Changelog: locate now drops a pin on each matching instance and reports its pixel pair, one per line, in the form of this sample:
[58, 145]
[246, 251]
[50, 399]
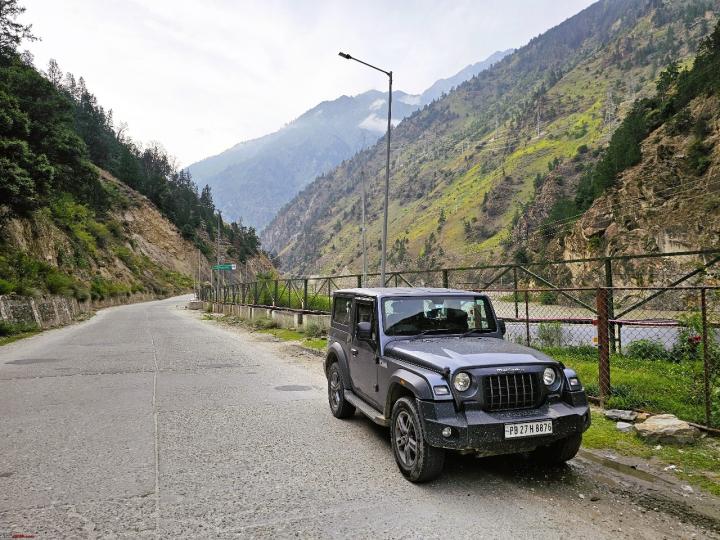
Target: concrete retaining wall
[51, 311]
[45, 312]
[283, 318]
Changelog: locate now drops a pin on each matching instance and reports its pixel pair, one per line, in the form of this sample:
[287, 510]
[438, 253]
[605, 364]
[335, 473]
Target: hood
[456, 353]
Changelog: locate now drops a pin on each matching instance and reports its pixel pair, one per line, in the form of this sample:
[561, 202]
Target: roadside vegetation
[311, 336]
[698, 464]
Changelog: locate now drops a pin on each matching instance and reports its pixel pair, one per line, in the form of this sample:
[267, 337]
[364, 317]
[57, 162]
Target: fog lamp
[447, 431]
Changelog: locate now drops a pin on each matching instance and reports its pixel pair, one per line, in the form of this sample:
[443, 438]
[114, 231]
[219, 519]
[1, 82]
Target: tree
[11, 31]
[54, 73]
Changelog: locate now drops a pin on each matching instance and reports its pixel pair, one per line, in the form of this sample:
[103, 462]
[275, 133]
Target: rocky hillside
[254, 179]
[513, 141]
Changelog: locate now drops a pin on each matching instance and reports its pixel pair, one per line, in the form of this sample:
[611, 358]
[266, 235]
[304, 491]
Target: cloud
[243, 69]
[375, 105]
[410, 100]
[374, 123]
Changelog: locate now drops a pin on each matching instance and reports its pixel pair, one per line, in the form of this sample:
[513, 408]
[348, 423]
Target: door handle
[354, 352]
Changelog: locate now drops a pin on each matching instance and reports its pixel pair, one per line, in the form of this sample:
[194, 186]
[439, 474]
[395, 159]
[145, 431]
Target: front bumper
[484, 432]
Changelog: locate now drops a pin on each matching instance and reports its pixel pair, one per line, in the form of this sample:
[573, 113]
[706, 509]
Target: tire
[558, 452]
[416, 459]
[336, 394]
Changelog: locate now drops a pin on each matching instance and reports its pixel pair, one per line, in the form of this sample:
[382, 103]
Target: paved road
[148, 422]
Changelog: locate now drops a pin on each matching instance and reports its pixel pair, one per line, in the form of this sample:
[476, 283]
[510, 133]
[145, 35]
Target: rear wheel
[558, 452]
[336, 394]
[417, 460]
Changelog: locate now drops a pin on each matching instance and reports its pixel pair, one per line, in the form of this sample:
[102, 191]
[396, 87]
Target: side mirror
[501, 326]
[364, 330]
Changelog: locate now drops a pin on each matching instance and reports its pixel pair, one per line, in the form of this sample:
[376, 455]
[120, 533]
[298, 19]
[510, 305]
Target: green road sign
[227, 266]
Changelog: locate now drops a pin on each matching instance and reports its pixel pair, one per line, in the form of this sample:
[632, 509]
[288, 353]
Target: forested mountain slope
[466, 168]
[254, 179]
[664, 192]
[84, 210]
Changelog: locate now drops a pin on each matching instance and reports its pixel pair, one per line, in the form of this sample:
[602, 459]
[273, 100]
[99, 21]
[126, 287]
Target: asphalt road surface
[146, 421]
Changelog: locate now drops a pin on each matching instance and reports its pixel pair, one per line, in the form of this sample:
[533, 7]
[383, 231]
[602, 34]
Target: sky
[201, 76]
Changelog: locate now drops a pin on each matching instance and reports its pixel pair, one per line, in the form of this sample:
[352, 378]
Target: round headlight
[549, 376]
[461, 381]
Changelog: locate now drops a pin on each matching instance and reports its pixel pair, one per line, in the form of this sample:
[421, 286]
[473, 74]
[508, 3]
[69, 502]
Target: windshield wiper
[430, 331]
[475, 331]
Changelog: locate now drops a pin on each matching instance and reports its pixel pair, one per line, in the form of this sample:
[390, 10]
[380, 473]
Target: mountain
[665, 194]
[253, 179]
[516, 139]
[443, 86]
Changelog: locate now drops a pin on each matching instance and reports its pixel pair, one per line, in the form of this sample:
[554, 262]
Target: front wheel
[560, 451]
[336, 394]
[417, 460]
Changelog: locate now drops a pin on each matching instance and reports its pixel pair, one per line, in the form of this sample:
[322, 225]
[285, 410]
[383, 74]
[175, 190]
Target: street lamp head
[346, 56]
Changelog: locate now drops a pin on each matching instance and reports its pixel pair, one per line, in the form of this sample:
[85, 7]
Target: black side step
[373, 414]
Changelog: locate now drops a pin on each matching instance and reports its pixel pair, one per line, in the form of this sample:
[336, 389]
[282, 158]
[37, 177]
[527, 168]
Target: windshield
[437, 315]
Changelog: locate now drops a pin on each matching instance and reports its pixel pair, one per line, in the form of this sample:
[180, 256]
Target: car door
[363, 352]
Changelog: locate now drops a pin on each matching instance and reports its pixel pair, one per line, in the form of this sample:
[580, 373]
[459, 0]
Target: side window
[364, 313]
[341, 310]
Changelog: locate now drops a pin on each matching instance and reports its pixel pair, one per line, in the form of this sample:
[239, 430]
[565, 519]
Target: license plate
[528, 429]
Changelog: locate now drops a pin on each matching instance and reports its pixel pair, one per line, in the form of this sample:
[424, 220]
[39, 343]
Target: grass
[268, 326]
[652, 385]
[5, 340]
[697, 464]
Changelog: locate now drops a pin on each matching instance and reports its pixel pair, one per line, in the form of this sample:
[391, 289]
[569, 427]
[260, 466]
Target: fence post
[305, 294]
[603, 345]
[275, 294]
[706, 356]
[255, 296]
[527, 319]
[445, 279]
[359, 281]
[515, 289]
[610, 301]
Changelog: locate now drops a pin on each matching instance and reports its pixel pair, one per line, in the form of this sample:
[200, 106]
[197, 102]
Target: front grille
[511, 391]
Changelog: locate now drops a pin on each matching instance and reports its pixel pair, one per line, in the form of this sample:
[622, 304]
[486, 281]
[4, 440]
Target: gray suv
[432, 365]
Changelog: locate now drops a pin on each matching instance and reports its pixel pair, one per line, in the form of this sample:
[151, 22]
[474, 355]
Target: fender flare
[336, 353]
[409, 381]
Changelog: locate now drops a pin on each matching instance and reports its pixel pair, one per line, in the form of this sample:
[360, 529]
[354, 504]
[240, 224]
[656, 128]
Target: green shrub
[647, 349]
[58, 283]
[12, 329]
[6, 287]
[82, 294]
[264, 323]
[550, 334]
[548, 298]
[314, 330]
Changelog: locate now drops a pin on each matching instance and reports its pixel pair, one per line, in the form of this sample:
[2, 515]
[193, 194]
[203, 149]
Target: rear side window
[341, 310]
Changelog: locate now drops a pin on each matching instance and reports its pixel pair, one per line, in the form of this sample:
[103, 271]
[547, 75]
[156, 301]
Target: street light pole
[364, 248]
[387, 163]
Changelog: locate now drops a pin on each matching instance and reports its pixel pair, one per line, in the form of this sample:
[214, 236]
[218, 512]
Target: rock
[642, 416]
[667, 428]
[620, 415]
[625, 427]
[688, 489]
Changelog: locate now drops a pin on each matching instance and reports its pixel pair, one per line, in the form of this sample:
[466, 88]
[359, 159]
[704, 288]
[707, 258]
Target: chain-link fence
[654, 348]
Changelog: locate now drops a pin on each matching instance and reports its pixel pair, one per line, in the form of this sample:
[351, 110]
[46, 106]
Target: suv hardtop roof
[382, 292]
